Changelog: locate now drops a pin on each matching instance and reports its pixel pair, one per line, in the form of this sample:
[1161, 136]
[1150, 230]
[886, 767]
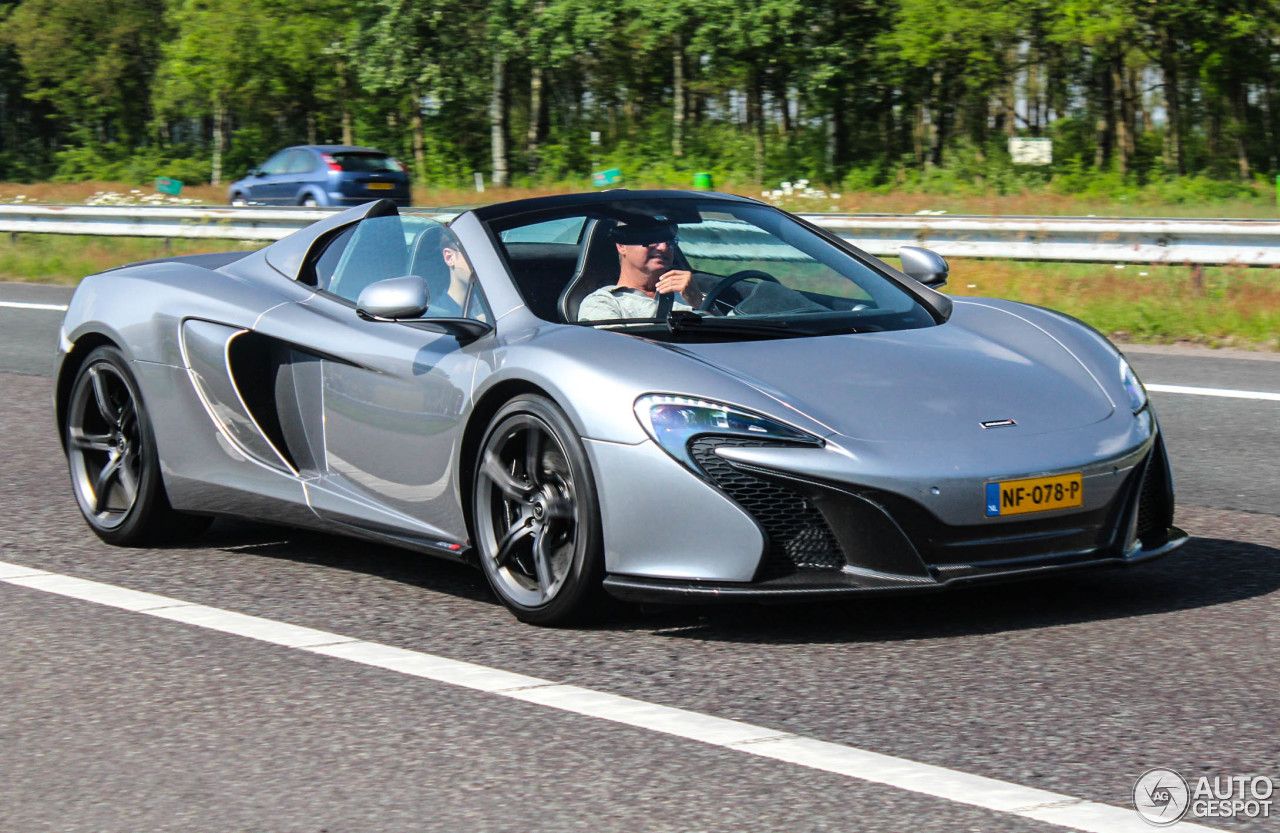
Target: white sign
[1031, 151]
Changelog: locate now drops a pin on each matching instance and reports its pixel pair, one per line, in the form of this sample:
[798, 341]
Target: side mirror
[926, 266]
[394, 299]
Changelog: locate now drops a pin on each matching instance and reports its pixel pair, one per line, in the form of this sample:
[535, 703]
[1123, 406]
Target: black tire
[112, 458]
[536, 515]
[309, 201]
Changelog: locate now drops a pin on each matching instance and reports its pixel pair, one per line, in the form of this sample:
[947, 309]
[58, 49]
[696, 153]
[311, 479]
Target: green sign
[702, 181]
[610, 177]
[165, 185]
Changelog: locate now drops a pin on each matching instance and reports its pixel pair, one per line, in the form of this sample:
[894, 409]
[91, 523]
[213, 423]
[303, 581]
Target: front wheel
[111, 453]
[537, 520]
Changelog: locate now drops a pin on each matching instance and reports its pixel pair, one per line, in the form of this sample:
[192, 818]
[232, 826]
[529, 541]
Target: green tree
[92, 62]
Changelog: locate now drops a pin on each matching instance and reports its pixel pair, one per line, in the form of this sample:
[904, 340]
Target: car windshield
[749, 271]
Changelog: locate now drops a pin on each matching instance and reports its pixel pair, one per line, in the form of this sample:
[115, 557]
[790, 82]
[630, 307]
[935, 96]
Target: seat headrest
[597, 266]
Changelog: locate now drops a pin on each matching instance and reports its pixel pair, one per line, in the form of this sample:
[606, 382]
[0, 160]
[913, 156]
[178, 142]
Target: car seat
[597, 266]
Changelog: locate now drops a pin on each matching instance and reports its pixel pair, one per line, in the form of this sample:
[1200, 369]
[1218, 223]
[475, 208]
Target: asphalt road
[115, 721]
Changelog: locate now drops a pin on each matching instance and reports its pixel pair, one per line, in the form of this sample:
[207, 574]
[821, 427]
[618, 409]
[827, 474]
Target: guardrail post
[168, 246]
[1197, 278]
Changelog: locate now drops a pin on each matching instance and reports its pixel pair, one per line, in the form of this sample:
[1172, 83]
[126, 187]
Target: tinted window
[365, 162]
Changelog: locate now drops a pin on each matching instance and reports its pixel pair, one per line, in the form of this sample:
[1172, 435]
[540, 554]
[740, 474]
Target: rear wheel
[537, 521]
[309, 201]
[111, 453]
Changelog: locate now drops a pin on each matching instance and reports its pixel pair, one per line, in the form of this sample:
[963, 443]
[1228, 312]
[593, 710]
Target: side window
[300, 162]
[439, 259]
[277, 163]
[390, 247]
[326, 264]
[477, 307]
[376, 251]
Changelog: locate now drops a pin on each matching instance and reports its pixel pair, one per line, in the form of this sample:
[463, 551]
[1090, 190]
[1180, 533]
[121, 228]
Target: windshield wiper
[680, 319]
[621, 322]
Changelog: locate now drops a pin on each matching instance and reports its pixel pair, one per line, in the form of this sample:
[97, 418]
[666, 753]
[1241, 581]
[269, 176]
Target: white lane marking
[1223, 392]
[851, 762]
[25, 305]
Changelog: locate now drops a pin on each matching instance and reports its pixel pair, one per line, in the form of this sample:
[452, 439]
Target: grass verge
[65, 259]
[1226, 307]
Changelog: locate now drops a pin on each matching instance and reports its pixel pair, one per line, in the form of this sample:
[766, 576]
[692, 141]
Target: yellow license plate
[380, 186]
[1035, 494]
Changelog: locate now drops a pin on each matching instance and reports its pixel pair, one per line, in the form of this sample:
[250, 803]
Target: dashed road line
[763, 742]
[28, 305]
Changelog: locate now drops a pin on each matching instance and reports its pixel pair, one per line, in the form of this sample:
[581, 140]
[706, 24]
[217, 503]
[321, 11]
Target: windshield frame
[817, 244]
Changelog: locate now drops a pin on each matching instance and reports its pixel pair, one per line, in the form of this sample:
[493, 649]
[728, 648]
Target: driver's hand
[680, 280]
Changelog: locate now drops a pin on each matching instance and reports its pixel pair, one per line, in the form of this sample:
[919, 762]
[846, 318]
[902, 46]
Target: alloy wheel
[104, 445]
[528, 510]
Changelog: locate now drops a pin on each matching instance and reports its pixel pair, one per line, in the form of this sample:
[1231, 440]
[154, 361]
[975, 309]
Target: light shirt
[613, 302]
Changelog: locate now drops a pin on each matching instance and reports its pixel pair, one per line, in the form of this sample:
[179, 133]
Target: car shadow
[342, 553]
[1203, 573]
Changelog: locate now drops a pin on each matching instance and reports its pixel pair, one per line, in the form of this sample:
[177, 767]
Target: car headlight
[1137, 393]
[673, 421]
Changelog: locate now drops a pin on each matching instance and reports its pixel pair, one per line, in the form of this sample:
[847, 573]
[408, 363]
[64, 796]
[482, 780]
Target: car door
[381, 402]
[299, 172]
[269, 187]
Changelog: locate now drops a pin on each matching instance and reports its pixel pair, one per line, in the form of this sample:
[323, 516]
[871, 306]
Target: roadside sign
[610, 177]
[1031, 151]
[165, 185]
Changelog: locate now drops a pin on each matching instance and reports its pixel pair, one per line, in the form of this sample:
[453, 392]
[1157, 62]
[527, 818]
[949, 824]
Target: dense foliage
[860, 92]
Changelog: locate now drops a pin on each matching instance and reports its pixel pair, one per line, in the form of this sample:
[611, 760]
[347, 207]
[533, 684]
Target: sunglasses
[670, 241]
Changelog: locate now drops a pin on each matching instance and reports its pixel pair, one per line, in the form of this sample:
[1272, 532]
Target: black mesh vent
[1154, 512]
[798, 537]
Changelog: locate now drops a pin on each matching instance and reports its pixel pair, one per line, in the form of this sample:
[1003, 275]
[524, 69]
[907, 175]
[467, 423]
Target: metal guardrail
[1096, 240]
[158, 221]
[1084, 239]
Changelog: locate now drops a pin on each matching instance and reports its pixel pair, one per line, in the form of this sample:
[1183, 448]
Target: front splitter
[804, 588]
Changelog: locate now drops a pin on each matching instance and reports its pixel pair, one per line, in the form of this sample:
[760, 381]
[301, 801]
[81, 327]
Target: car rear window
[365, 162]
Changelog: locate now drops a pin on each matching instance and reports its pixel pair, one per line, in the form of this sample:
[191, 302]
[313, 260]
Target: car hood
[931, 384]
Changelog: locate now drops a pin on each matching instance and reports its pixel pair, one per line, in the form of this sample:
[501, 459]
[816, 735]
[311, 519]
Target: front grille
[797, 536]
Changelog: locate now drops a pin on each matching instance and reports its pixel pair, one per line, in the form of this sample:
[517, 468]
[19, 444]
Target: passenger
[646, 254]
[460, 277]
[447, 272]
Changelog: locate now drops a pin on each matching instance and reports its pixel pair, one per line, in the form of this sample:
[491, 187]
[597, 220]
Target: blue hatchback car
[338, 175]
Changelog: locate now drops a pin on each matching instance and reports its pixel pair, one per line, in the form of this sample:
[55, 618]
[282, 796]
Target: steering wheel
[716, 291]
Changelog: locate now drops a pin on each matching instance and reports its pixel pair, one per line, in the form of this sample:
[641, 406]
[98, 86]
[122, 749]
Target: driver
[646, 253]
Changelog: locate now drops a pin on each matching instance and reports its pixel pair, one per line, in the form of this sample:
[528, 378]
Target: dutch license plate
[379, 186]
[1035, 494]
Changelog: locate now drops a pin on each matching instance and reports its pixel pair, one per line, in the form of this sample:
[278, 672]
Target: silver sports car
[645, 395]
